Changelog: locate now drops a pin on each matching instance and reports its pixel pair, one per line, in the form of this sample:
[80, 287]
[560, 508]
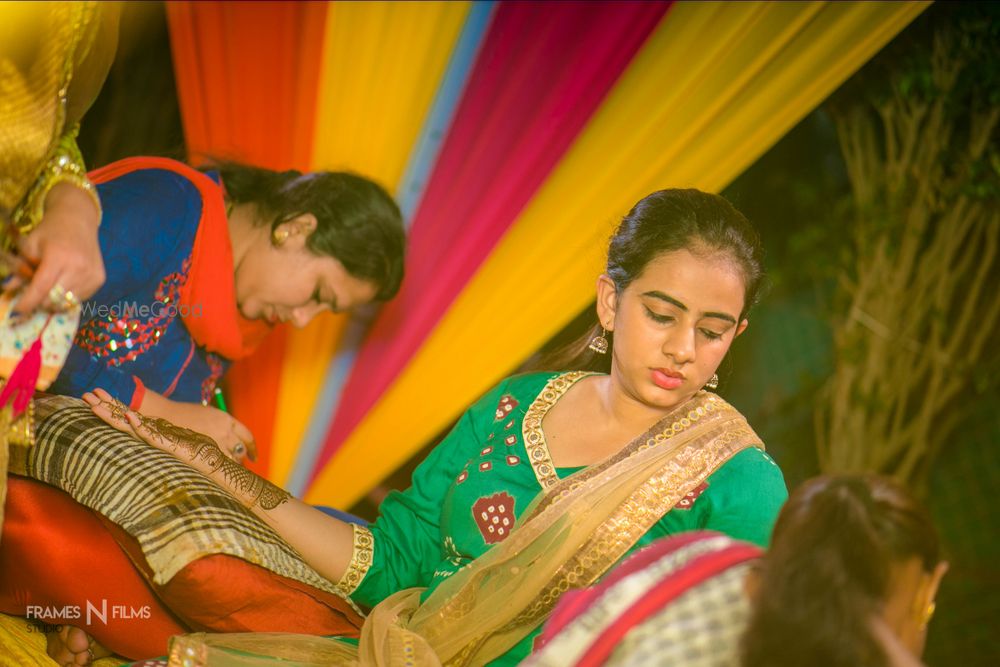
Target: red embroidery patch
[509, 424]
[461, 478]
[687, 501]
[513, 460]
[494, 515]
[122, 337]
[486, 450]
[510, 440]
[506, 404]
[483, 467]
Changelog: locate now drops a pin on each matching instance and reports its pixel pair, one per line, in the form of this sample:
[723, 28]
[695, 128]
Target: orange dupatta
[210, 283]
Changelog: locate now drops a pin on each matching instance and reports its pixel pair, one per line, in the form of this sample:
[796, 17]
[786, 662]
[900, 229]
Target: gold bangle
[65, 164]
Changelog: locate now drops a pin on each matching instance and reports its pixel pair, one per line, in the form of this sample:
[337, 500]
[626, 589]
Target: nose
[303, 315]
[679, 343]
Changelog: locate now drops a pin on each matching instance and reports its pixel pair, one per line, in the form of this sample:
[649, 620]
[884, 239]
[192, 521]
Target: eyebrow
[657, 294]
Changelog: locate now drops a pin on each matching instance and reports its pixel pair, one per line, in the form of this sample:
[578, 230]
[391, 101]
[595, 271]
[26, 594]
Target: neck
[624, 410]
[243, 233]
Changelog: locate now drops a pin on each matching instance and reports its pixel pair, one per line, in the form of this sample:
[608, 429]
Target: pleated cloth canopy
[515, 135]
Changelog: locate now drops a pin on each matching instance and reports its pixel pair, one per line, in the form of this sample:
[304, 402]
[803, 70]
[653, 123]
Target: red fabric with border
[55, 552]
[663, 593]
[576, 602]
[223, 593]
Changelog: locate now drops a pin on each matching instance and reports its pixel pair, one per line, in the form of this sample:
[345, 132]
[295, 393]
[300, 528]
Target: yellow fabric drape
[382, 65]
[714, 87]
[24, 645]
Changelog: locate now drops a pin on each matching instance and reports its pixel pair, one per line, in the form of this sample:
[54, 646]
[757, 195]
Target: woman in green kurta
[550, 479]
[467, 494]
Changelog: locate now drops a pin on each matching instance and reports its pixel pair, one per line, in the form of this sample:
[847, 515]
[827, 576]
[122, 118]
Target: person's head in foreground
[850, 578]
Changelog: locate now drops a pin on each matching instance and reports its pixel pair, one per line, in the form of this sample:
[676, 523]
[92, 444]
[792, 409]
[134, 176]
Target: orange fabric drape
[247, 77]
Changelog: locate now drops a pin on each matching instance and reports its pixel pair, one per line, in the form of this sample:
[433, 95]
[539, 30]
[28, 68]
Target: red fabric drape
[247, 77]
[542, 71]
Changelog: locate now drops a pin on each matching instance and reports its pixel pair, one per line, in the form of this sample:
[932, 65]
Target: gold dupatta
[570, 535]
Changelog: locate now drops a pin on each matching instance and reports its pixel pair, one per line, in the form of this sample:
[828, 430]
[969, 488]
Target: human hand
[233, 438]
[194, 448]
[63, 251]
[155, 431]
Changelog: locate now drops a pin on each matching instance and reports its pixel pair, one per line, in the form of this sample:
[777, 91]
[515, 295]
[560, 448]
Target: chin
[658, 398]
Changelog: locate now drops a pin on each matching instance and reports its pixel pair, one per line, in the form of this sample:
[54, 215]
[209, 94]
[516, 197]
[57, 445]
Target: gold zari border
[361, 560]
[531, 428]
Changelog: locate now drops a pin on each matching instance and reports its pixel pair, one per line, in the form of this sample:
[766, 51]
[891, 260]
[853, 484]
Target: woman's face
[286, 282]
[672, 325]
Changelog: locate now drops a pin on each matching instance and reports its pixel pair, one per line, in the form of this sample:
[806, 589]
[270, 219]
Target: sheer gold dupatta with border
[569, 536]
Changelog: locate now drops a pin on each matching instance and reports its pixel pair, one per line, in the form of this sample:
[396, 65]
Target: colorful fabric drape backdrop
[515, 134]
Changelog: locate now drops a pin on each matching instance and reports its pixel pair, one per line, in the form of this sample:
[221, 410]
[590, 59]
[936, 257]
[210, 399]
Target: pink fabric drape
[542, 72]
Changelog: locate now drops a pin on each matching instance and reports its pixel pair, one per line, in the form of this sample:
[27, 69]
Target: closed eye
[656, 317]
[711, 335]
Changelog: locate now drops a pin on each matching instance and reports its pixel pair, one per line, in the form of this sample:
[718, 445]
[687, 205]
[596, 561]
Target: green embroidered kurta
[470, 490]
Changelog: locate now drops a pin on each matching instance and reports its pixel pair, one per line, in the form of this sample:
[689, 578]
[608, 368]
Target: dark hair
[665, 221]
[358, 223]
[828, 569]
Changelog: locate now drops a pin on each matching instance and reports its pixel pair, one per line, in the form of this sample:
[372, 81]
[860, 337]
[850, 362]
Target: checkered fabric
[176, 514]
[701, 628]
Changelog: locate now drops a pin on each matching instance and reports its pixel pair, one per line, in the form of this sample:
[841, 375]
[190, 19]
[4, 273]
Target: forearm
[325, 543]
[77, 201]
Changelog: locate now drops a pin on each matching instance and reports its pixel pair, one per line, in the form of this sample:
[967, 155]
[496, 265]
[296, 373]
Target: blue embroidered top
[131, 332]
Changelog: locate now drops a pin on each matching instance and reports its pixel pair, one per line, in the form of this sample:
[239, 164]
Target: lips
[667, 379]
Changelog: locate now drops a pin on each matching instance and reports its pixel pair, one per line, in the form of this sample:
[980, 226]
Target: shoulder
[751, 475]
[150, 203]
[529, 384]
[752, 463]
[744, 496]
[154, 187]
[149, 175]
[511, 393]
[509, 398]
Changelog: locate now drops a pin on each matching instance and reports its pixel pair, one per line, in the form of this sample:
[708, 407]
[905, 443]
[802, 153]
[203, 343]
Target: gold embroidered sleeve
[361, 560]
[64, 164]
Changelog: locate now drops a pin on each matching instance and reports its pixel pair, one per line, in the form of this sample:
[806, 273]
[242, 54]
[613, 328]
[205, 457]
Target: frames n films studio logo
[89, 614]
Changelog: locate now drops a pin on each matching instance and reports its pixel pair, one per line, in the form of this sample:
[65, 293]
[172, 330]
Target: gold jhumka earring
[713, 382]
[599, 344]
